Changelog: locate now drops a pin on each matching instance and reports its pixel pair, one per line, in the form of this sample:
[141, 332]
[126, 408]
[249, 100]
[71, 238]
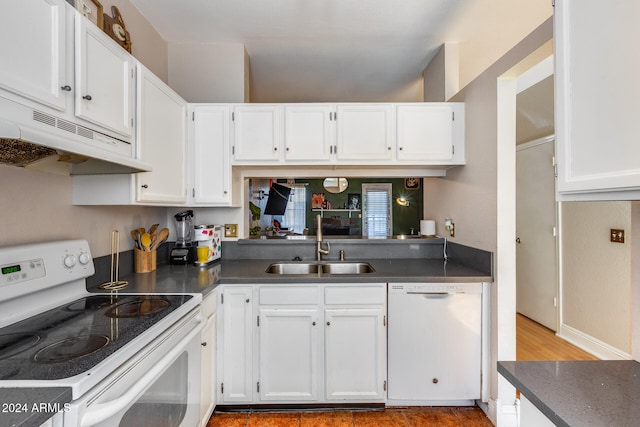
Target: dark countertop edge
[356, 240]
[503, 369]
[55, 397]
[347, 279]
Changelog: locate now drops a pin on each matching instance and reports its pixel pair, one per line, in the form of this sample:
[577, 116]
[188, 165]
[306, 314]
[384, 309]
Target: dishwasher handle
[433, 295]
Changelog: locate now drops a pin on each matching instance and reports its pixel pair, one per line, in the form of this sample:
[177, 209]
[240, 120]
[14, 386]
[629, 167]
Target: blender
[184, 252]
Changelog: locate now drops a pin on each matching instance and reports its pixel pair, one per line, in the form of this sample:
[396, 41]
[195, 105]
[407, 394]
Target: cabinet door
[34, 50]
[257, 133]
[207, 376]
[364, 132]
[425, 133]
[162, 141]
[104, 80]
[597, 102]
[355, 354]
[211, 161]
[288, 354]
[309, 133]
[235, 345]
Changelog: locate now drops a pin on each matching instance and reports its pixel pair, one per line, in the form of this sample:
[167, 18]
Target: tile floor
[396, 417]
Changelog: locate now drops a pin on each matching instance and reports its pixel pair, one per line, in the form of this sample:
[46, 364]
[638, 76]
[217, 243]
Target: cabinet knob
[66, 88]
[389, 148]
[87, 97]
[144, 186]
[400, 148]
[247, 300]
[328, 323]
[435, 380]
[204, 344]
[313, 324]
[275, 148]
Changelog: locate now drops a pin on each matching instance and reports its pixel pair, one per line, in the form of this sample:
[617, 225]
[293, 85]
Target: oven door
[158, 387]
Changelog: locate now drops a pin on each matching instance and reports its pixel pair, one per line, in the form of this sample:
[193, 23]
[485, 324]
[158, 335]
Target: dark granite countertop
[580, 393]
[192, 279]
[31, 406]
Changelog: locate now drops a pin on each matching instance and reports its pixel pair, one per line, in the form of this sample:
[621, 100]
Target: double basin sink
[337, 267]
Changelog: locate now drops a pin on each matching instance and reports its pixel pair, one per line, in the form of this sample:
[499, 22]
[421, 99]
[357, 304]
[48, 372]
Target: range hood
[38, 140]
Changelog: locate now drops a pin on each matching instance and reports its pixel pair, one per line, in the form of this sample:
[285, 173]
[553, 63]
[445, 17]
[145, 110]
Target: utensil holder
[144, 261]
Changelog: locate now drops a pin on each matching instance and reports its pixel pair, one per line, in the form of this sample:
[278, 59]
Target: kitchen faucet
[319, 250]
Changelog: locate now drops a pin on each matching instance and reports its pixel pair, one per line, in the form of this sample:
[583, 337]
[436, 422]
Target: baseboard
[591, 345]
[503, 415]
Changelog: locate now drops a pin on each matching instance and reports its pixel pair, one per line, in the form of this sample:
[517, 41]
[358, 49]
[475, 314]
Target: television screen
[277, 201]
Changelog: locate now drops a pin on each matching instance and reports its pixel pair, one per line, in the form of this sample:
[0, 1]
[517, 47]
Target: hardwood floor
[395, 417]
[535, 342]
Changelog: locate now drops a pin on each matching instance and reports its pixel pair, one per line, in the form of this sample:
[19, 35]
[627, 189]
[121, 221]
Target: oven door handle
[103, 411]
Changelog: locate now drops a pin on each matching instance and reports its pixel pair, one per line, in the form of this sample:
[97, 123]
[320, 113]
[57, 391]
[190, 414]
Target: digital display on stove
[11, 269]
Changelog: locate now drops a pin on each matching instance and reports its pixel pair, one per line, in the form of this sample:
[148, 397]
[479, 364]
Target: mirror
[335, 185]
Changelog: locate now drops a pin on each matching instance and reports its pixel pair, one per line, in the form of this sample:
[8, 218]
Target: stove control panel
[21, 271]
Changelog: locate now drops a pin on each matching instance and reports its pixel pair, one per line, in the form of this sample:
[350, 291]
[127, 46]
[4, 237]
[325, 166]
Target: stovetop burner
[144, 306]
[71, 348]
[73, 338]
[12, 344]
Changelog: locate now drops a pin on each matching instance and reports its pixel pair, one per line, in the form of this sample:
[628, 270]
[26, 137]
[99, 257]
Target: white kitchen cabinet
[209, 155]
[288, 353]
[597, 103]
[309, 133]
[355, 342]
[162, 141]
[34, 51]
[364, 133]
[235, 342]
[104, 80]
[208, 359]
[430, 133]
[257, 134]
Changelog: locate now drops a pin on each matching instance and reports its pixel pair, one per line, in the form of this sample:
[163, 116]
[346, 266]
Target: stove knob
[69, 261]
[84, 258]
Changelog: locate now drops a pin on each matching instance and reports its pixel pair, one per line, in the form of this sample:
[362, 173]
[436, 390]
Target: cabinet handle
[87, 97]
[144, 186]
[66, 88]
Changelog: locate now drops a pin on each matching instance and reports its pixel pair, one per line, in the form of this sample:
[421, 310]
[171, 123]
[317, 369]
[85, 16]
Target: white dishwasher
[434, 343]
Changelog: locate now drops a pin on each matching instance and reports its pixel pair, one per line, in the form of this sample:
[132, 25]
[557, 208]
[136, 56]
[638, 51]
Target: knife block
[143, 261]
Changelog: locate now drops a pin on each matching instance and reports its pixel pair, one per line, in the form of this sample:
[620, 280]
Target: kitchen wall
[469, 194]
[596, 274]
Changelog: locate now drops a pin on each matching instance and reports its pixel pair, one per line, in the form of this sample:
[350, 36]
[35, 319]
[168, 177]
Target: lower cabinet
[302, 343]
[208, 359]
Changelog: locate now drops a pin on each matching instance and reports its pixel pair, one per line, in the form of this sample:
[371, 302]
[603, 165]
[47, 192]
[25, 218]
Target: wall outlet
[617, 236]
[231, 230]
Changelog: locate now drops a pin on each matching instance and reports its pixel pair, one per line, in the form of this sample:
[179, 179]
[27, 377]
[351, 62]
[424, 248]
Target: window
[376, 210]
[295, 217]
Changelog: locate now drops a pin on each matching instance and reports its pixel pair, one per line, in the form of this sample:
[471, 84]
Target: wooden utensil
[162, 236]
[153, 229]
[145, 242]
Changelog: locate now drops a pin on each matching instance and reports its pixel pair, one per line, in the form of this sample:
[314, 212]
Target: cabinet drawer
[355, 294]
[288, 295]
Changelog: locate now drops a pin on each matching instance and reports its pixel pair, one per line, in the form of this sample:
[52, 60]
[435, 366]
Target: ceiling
[343, 50]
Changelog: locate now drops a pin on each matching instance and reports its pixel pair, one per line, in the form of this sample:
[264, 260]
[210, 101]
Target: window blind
[376, 206]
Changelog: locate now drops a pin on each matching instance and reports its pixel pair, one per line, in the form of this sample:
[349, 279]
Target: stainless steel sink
[293, 268]
[347, 268]
[324, 268]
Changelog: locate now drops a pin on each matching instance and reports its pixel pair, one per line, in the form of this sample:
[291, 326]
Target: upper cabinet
[162, 141]
[257, 133]
[428, 133]
[309, 132]
[34, 59]
[105, 82]
[597, 99]
[365, 133]
[209, 155]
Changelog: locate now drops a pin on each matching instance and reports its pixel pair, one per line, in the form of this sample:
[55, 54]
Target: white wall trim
[590, 344]
[535, 142]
